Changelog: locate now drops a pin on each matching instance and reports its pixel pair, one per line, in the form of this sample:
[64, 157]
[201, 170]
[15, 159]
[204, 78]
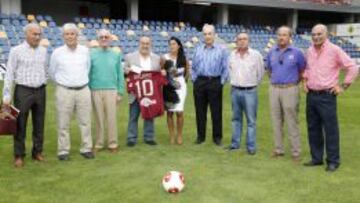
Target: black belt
[208, 77]
[32, 88]
[243, 88]
[326, 91]
[74, 88]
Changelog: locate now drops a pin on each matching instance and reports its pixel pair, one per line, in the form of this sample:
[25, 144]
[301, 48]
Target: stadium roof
[288, 4]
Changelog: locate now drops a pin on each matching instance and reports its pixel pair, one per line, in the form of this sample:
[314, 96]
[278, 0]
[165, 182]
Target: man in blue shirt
[209, 72]
[285, 63]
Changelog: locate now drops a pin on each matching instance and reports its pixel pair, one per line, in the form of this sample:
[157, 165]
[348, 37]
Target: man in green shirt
[107, 88]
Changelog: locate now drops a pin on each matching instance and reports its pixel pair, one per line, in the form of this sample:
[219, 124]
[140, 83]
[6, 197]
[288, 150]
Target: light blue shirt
[69, 67]
[210, 61]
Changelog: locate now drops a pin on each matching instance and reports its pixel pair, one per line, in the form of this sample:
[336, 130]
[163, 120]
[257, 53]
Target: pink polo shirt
[323, 67]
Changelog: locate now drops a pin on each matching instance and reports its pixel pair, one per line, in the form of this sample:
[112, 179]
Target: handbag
[8, 120]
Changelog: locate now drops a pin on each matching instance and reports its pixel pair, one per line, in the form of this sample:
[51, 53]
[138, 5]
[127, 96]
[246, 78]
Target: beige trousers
[67, 102]
[104, 104]
[284, 104]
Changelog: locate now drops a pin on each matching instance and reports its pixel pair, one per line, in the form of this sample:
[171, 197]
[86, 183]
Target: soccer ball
[173, 182]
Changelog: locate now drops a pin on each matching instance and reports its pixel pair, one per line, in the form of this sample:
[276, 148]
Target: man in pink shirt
[321, 76]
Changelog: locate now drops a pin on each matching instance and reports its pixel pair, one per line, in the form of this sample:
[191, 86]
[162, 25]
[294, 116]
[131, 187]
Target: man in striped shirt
[209, 72]
[27, 68]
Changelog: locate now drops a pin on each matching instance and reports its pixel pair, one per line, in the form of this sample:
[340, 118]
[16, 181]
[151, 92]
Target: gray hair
[70, 26]
[285, 27]
[210, 26]
[30, 26]
[103, 32]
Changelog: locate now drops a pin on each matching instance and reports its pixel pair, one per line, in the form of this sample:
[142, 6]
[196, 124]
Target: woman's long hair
[181, 58]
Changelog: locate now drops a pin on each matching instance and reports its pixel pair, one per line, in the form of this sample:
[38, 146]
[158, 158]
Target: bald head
[145, 45]
[319, 35]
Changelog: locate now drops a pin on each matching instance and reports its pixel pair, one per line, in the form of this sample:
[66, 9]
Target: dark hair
[181, 58]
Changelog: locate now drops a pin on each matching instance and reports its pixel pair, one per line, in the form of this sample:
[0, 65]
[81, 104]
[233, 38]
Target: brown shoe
[38, 157]
[113, 150]
[277, 155]
[96, 150]
[19, 162]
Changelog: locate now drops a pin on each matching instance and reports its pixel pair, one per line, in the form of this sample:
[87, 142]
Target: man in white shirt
[142, 60]
[246, 71]
[69, 68]
[27, 67]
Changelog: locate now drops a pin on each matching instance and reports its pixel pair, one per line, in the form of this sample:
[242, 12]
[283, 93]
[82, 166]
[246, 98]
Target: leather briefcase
[8, 116]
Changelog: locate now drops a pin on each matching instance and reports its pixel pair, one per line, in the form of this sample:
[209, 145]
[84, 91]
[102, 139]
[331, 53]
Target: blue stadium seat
[39, 18]
[77, 20]
[48, 18]
[52, 24]
[24, 22]
[5, 22]
[84, 20]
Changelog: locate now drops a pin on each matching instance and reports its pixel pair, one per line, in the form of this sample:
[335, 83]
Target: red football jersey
[147, 87]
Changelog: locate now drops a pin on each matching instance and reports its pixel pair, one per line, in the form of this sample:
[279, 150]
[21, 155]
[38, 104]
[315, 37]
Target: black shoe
[64, 157]
[231, 148]
[332, 167]
[251, 152]
[198, 142]
[88, 155]
[131, 144]
[151, 142]
[311, 164]
[218, 143]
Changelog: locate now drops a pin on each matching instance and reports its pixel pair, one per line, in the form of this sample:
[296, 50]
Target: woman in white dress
[181, 67]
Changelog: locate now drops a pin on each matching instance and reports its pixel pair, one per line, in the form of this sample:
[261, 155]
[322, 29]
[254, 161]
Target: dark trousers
[208, 91]
[26, 99]
[323, 128]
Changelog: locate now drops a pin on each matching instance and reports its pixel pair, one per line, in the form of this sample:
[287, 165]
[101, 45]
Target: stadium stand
[336, 2]
[126, 34]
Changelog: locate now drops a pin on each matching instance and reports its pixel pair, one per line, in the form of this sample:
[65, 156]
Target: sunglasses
[281, 59]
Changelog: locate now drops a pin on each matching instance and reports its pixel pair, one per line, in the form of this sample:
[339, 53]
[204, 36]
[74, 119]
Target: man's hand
[127, 70]
[337, 90]
[306, 89]
[6, 102]
[345, 86]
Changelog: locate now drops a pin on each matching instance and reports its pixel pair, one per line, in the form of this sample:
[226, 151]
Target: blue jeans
[134, 114]
[244, 101]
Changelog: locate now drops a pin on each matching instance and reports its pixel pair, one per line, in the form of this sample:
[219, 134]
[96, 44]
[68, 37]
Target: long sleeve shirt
[106, 71]
[210, 61]
[26, 66]
[69, 67]
[324, 65]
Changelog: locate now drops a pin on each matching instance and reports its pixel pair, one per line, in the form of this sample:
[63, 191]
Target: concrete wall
[64, 10]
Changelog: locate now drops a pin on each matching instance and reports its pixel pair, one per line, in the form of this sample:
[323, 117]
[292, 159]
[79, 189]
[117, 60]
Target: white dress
[181, 92]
